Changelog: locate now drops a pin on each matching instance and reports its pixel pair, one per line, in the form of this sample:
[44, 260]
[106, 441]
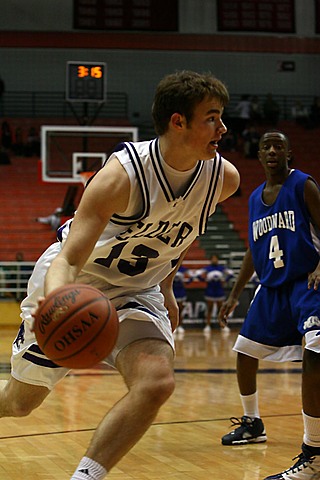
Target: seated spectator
[33, 143]
[229, 141]
[6, 136]
[18, 146]
[6, 143]
[255, 110]
[54, 219]
[242, 111]
[271, 110]
[315, 112]
[300, 114]
[251, 138]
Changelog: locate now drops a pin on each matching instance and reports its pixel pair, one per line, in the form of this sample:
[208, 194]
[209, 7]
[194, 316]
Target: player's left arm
[231, 181]
[167, 291]
[312, 201]
[107, 193]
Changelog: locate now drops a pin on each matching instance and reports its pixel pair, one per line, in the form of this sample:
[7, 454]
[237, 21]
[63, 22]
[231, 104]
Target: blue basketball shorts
[277, 321]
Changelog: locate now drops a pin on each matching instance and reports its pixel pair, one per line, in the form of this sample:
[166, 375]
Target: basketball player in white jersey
[137, 217]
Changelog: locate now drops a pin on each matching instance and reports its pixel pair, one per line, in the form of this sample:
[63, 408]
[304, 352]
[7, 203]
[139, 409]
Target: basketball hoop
[85, 176]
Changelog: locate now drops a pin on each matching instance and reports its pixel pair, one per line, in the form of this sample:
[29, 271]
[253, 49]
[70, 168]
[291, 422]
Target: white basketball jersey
[140, 249]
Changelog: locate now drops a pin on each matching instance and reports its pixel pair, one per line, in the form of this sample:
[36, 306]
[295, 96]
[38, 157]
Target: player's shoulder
[126, 147]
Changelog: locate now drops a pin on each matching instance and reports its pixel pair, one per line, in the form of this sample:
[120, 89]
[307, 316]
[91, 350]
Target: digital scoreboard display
[86, 82]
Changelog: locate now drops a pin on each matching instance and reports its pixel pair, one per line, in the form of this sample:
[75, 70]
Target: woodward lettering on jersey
[277, 220]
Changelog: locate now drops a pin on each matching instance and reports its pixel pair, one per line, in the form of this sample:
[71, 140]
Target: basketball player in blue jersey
[284, 226]
[137, 217]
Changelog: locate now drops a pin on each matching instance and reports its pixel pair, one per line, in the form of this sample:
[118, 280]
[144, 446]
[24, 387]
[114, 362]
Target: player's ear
[177, 120]
[289, 156]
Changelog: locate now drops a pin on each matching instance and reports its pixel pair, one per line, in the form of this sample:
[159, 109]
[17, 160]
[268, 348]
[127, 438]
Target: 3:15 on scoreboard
[86, 82]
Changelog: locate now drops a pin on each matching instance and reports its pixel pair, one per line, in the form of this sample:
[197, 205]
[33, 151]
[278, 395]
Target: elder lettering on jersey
[173, 234]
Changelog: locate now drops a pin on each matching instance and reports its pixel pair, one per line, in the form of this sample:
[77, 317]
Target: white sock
[88, 469]
[250, 405]
[311, 430]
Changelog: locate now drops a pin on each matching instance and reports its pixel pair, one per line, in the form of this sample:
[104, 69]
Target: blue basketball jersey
[284, 244]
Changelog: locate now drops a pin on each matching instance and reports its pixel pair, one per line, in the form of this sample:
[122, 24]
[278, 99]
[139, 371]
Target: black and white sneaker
[250, 430]
[307, 467]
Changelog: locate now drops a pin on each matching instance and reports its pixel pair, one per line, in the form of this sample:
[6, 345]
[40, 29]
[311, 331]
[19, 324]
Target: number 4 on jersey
[275, 253]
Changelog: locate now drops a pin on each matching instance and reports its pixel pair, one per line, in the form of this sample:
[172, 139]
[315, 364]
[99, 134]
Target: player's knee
[19, 400]
[159, 388]
[311, 363]
[21, 407]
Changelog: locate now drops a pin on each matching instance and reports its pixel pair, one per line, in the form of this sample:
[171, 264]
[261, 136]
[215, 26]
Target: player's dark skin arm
[312, 201]
[246, 272]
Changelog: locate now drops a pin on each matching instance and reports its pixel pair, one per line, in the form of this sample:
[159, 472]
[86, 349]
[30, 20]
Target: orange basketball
[76, 326]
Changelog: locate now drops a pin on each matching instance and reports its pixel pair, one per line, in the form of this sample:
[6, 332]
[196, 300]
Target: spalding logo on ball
[76, 326]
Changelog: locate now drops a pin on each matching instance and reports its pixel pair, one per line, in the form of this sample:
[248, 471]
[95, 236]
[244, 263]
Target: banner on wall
[195, 308]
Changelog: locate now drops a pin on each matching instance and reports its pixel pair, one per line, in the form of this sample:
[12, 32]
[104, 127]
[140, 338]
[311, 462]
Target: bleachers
[23, 199]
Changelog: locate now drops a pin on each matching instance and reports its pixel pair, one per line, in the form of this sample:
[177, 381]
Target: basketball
[76, 326]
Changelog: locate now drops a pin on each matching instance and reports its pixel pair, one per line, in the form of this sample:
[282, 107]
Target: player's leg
[147, 369]
[18, 399]
[210, 304]
[247, 369]
[306, 308]
[250, 428]
[311, 384]
[307, 467]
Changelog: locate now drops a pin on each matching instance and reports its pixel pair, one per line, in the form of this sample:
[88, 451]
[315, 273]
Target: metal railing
[54, 104]
[14, 278]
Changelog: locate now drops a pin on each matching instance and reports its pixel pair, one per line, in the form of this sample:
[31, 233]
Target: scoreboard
[86, 82]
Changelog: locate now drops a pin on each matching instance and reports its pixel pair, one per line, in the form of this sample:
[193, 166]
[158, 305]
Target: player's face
[205, 129]
[273, 152]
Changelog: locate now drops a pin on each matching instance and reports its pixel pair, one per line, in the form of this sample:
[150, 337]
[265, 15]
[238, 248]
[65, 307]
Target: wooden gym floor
[184, 441]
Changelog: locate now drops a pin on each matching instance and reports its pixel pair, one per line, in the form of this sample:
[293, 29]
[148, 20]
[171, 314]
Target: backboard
[66, 151]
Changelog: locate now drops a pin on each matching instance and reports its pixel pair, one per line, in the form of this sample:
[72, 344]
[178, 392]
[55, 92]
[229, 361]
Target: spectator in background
[180, 293]
[2, 87]
[300, 114]
[33, 143]
[271, 110]
[22, 277]
[6, 136]
[54, 219]
[18, 146]
[256, 114]
[229, 141]
[216, 276]
[6, 143]
[251, 138]
[315, 113]
[242, 111]
[2, 90]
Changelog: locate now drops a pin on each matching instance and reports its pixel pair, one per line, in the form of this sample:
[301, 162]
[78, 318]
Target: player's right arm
[312, 200]
[106, 194]
[246, 272]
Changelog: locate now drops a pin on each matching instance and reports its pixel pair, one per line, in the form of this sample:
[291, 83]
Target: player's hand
[173, 311]
[34, 311]
[226, 309]
[314, 278]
